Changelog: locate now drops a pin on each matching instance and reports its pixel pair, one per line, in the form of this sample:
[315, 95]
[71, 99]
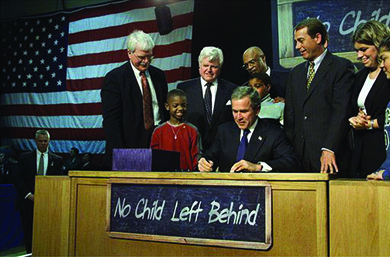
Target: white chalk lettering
[151, 213]
[122, 208]
[187, 212]
[224, 216]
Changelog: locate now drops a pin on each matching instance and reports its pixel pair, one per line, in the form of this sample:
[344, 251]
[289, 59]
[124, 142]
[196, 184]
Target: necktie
[243, 146]
[207, 102]
[311, 75]
[147, 103]
[40, 166]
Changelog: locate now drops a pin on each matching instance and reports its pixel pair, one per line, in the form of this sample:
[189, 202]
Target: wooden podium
[70, 215]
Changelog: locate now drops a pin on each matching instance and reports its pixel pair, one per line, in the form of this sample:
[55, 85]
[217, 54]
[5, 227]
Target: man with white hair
[208, 97]
[133, 97]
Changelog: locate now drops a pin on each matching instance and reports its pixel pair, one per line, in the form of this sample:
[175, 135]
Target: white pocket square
[229, 103]
[260, 138]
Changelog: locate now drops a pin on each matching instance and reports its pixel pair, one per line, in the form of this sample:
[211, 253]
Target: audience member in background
[30, 164]
[318, 102]
[8, 165]
[249, 144]
[261, 82]
[254, 61]
[86, 162]
[384, 57]
[369, 99]
[74, 161]
[133, 97]
[177, 134]
[208, 97]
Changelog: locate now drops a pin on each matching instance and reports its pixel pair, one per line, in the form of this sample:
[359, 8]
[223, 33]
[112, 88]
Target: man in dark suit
[318, 102]
[30, 164]
[133, 97]
[208, 97]
[266, 146]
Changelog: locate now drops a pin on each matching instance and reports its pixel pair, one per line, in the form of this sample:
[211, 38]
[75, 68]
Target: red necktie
[147, 107]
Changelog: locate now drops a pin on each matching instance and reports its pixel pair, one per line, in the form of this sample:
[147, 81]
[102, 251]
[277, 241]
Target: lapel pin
[260, 138]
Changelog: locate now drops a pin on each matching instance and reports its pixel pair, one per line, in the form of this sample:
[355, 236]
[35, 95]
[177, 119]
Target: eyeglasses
[251, 63]
[144, 58]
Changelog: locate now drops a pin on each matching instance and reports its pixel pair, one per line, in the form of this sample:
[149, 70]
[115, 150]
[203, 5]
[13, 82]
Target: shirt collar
[319, 59]
[204, 82]
[137, 72]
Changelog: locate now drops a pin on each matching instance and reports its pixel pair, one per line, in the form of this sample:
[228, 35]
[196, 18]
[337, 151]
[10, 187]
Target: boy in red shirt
[177, 134]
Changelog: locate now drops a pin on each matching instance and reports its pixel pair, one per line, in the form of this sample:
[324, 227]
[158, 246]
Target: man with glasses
[133, 97]
[254, 61]
[208, 97]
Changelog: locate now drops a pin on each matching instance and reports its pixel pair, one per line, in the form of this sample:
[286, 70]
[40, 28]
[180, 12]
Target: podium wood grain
[359, 218]
[51, 216]
[299, 216]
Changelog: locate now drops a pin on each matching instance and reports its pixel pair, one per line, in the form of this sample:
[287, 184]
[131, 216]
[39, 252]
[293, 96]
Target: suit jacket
[369, 150]
[196, 113]
[122, 105]
[319, 118]
[268, 144]
[25, 177]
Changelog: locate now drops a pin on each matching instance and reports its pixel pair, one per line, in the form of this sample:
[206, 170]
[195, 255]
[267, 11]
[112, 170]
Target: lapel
[376, 88]
[256, 142]
[322, 71]
[197, 93]
[220, 101]
[132, 88]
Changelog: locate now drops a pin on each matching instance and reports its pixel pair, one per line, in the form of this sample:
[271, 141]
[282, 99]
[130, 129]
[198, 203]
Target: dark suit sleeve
[341, 105]
[283, 155]
[25, 175]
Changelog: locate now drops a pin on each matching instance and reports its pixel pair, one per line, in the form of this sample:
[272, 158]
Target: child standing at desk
[176, 134]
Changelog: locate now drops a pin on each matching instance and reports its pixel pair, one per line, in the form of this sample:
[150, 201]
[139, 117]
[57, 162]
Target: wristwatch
[371, 125]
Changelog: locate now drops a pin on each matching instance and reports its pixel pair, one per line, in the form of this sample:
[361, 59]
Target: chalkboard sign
[209, 213]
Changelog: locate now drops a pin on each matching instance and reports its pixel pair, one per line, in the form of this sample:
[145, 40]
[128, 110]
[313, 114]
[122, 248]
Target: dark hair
[75, 149]
[246, 91]
[262, 76]
[314, 26]
[176, 92]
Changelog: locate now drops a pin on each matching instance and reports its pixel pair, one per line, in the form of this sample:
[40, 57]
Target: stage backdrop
[53, 68]
[341, 17]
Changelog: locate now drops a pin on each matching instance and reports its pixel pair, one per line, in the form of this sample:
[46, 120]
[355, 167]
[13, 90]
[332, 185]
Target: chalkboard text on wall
[192, 212]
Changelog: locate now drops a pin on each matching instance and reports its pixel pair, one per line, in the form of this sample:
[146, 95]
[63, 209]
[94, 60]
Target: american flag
[53, 68]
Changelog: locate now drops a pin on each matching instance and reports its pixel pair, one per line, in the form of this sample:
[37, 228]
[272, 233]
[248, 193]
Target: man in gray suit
[318, 102]
[208, 97]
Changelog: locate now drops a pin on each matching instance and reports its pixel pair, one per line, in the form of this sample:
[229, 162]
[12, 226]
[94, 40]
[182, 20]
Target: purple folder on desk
[141, 159]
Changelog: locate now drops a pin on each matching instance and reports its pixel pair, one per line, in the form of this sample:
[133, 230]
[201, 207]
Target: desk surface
[201, 175]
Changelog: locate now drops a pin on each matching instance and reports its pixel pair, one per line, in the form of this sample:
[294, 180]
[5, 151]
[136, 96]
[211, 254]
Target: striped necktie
[311, 75]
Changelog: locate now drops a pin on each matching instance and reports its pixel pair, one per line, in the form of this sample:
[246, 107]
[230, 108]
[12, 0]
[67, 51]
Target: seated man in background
[249, 144]
[261, 82]
[74, 162]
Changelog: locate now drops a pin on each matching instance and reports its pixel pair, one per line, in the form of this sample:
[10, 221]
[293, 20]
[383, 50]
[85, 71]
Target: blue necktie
[243, 146]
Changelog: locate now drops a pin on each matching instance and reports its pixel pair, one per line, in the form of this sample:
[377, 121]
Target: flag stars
[40, 76]
[55, 42]
[37, 38]
[38, 22]
[55, 59]
[56, 27]
[62, 49]
[59, 83]
[30, 61]
[20, 61]
[34, 84]
[24, 84]
[19, 76]
[42, 61]
[31, 45]
[62, 34]
[37, 52]
[35, 69]
[49, 36]
[47, 68]
[53, 75]
[50, 20]
[25, 38]
[60, 67]
[43, 44]
[13, 84]
[44, 29]
[63, 18]
[31, 30]
[25, 52]
[49, 51]
[29, 76]
[46, 83]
